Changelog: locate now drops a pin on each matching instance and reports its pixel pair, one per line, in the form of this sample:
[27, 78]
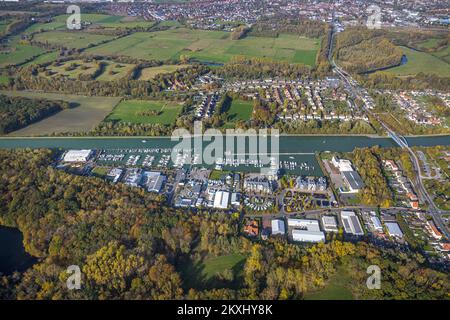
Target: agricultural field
[211, 46]
[141, 111]
[90, 20]
[71, 39]
[87, 113]
[421, 62]
[152, 72]
[43, 58]
[18, 52]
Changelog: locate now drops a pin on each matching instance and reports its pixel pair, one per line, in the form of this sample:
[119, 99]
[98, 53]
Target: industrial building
[394, 229]
[278, 227]
[329, 224]
[351, 177]
[153, 181]
[221, 199]
[78, 155]
[351, 223]
[376, 224]
[306, 230]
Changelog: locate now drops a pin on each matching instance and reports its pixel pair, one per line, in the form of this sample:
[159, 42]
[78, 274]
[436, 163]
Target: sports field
[141, 111]
[88, 113]
[71, 39]
[421, 62]
[211, 46]
[152, 72]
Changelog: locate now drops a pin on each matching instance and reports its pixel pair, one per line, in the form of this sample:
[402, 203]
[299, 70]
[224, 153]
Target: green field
[71, 39]
[213, 46]
[18, 52]
[94, 20]
[421, 62]
[114, 71]
[202, 273]
[4, 79]
[43, 58]
[335, 289]
[152, 72]
[239, 110]
[87, 114]
[139, 111]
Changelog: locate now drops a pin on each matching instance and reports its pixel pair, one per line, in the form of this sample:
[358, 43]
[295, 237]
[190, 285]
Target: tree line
[129, 245]
[18, 112]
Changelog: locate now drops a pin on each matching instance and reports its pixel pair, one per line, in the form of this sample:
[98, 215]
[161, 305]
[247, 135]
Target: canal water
[12, 253]
[299, 149]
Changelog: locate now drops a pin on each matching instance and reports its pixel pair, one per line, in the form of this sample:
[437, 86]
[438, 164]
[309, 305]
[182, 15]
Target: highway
[357, 91]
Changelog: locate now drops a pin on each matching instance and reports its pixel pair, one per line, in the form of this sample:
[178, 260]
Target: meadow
[238, 110]
[211, 46]
[88, 113]
[336, 288]
[152, 72]
[142, 111]
[201, 274]
[71, 39]
[18, 52]
[421, 62]
[94, 20]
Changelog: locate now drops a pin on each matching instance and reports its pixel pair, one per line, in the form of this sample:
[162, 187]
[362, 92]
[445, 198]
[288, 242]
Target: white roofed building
[351, 223]
[77, 155]
[221, 199]
[329, 223]
[278, 226]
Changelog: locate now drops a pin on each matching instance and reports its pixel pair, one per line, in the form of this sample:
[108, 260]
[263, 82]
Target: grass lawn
[421, 62]
[88, 113]
[335, 289]
[18, 52]
[240, 110]
[140, 111]
[201, 274]
[213, 46]
[71, 39]
[152, 72]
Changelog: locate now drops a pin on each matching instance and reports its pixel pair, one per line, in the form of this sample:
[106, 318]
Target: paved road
[357, 90]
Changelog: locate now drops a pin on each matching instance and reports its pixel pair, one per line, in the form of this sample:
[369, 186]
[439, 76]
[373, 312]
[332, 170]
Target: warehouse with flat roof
[351, 223]
[221, 199]
[306, 230]
[278, 226]
[78, 155]
[394, 229]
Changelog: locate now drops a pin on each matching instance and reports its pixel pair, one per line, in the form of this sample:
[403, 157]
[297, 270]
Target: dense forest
[273, 26]
[18, 112]
[376, 190]
[130, 246]
[260, 68]
[29, 78]
[361, 50]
